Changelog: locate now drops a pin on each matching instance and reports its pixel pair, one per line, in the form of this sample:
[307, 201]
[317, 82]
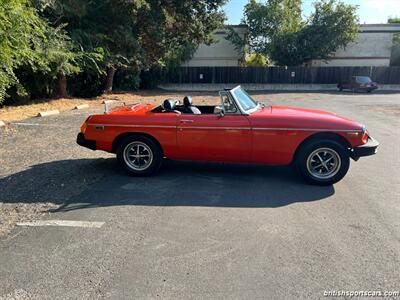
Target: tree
[62, 59]
[333, 25]
[26, 41]
[268, 21]
[395, 56]
[394, 20]
[55, 39]
[169, 31]
[256, 60]
[276, 29]
[136, 34]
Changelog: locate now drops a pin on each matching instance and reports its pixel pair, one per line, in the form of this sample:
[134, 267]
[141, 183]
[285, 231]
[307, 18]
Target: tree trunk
[61, 88]
[109, 80]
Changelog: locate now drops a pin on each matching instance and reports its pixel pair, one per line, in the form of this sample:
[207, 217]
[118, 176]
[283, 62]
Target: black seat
[169, 104]
[189, 108]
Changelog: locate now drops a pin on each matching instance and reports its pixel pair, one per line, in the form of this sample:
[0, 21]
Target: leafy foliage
[27, 41]
[394, 20]
[256, 60]
[269, 21]
[395, 57]
[81, 42]
[277, 30]
[240, 43]
[137, 34]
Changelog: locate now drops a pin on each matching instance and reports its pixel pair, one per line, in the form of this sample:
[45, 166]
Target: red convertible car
[240, 130]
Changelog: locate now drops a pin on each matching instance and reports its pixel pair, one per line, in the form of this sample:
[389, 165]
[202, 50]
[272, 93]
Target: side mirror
[218, 110]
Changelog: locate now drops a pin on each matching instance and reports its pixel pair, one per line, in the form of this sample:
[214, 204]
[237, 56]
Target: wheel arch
[323, 135]
[124, 135]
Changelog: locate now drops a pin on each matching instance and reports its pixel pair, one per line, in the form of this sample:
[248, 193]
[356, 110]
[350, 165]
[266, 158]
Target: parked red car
[358, 83]
[240, 130]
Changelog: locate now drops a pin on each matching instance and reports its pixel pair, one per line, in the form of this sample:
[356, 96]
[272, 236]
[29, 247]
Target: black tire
[340, 162]
[147, 145]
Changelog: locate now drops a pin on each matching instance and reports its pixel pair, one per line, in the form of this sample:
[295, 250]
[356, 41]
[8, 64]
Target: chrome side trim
[306, 129]
[214, 128]
[134, 126]
[226, 128]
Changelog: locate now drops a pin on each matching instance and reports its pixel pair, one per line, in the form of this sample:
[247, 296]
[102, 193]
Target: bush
[126, 80]
[86, 85]
[152, 78]
[31, 85]
[256, 60]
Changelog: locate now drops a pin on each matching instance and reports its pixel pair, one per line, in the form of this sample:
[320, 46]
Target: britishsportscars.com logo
[342, 293]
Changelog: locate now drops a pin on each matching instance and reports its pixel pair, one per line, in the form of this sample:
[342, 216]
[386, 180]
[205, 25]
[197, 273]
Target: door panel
[214, 138]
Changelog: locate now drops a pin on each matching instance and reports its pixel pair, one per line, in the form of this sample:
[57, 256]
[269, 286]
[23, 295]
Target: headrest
[187, 101]
[169, 104]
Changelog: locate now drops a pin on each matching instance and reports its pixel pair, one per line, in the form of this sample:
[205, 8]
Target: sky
[369, 11]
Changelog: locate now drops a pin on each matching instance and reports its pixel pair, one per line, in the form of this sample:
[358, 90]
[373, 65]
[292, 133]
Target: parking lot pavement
[201, 230]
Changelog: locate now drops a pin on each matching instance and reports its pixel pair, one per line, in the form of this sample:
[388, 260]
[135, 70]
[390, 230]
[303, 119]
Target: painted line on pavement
[30, 124]
[63, 223]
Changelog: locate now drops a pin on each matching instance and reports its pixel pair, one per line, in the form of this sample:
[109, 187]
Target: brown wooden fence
[298, 75]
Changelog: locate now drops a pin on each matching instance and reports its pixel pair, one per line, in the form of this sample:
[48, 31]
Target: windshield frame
[238, 103]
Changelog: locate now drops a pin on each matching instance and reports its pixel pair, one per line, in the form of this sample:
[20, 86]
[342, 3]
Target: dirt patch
[12, 213]
[20, 112]
[17, 113]
[388, 109]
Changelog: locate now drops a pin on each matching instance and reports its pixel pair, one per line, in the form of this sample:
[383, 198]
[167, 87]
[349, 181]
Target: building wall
[220, 54]
[353, 62]
[372, 48]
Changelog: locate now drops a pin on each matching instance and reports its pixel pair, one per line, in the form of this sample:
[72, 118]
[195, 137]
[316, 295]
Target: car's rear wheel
[323, 162]
[139, 155]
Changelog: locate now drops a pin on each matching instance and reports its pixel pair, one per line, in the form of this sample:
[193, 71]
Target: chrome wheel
[323, 163]
[138, 156]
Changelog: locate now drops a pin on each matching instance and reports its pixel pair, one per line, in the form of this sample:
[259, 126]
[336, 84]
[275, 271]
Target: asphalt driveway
[200, 230]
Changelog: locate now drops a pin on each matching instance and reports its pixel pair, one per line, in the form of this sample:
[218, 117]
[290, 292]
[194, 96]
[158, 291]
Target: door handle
[186, 121]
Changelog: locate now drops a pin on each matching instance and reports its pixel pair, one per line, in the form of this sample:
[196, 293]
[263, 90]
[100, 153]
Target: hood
[295, 117]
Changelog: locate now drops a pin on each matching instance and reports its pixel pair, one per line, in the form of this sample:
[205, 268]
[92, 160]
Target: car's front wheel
[323, 162]
[139, 155]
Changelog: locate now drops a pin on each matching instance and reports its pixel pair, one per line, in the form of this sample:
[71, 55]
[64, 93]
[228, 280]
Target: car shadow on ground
[85, 183]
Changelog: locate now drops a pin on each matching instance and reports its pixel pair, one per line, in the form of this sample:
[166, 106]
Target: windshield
[363, 79]
[245, 101]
